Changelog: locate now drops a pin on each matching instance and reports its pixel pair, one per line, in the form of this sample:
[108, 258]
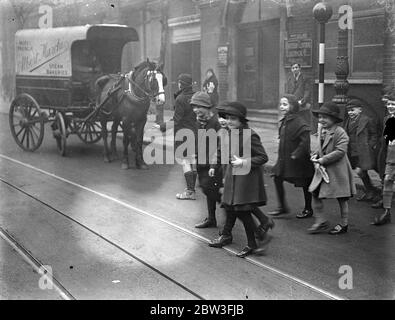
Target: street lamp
[322, 13]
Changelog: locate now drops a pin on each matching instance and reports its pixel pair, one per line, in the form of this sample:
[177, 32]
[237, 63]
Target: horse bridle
[149, 95]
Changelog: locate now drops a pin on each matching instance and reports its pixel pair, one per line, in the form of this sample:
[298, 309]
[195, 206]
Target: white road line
[37, 266]
[186, 231]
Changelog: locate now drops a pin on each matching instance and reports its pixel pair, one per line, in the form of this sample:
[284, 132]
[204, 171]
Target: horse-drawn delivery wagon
[56, 71]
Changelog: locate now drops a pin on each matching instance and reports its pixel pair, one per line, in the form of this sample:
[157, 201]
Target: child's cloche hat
[354, 103]
[233, 108]
[201, 99]
[330, 109]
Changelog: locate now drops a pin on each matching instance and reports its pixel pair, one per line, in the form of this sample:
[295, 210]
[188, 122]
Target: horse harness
[129, 92]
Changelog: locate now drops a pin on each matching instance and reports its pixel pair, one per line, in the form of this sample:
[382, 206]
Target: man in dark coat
[362, 146]
[184, 118]
[299, 85]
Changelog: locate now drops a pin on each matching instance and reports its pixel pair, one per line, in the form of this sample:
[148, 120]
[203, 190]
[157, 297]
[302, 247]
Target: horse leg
[126, 128]
[114, 129]
[140, 164]
[106, 153]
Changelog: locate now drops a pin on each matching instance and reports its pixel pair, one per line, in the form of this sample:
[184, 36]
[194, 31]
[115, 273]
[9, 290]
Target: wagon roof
[47, 52]
[88, 32]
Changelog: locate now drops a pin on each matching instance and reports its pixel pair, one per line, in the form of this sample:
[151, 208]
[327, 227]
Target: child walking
[333, 178]
[362, 145]
[293, 163]
[206, 120]
[389, 174]
[242, 192]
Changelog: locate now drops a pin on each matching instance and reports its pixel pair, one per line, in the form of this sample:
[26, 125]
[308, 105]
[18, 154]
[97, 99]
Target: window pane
[368, 59]
[369, 30]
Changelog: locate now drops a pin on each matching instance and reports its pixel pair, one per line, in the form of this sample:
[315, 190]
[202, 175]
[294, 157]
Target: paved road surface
[126, 236]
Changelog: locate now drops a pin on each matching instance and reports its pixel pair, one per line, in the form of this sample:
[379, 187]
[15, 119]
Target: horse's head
[156, 81]
[148, 81]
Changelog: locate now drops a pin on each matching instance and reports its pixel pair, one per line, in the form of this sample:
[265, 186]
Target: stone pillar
[341, 84]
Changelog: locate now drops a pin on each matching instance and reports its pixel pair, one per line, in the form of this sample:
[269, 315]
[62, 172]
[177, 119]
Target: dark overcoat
[184, 117]
[300, 88]
[335, 160]
[366, 136]
[294, 136]
[209, 185]
[244, 191]
[382, 154]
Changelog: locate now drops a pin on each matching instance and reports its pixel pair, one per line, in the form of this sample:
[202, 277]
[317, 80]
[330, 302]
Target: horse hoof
[142, 167]
[124, 166]
[107, 160]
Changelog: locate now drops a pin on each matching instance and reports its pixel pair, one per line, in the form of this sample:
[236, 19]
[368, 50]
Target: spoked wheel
[60, 134]
[89, 132]
[26, 122]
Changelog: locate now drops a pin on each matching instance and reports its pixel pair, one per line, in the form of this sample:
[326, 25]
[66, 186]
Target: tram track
[39, 267]
[251, 260]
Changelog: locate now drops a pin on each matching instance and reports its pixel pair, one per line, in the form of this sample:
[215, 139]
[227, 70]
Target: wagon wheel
[60, 133]
[89, 132]
[26, 122]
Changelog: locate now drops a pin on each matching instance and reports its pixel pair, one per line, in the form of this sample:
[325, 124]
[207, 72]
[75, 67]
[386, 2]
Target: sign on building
[298, 49]
[222, 56]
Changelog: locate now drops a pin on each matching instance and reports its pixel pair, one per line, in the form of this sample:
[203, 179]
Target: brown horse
[128, 102]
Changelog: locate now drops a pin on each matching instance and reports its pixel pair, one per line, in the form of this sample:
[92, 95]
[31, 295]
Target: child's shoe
[186, 195]
[338, 229]
[383, 219]
[318, 227]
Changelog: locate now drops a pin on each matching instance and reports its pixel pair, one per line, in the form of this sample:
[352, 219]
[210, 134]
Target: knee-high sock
[307, 198]
[229, 223]
[190, 180]
[387, 193]
[363, 174]
[211, 206]
[318, 210]
[343, 204]
[263, 219]
[278, 182]
[248, 223]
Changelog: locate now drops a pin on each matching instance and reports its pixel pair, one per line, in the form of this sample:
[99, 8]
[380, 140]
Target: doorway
[258, 64]
[185, 58]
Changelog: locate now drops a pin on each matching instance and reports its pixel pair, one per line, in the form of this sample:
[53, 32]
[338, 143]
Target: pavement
[269, 138]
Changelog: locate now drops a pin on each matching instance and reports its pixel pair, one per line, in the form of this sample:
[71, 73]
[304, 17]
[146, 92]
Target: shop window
[365, 47]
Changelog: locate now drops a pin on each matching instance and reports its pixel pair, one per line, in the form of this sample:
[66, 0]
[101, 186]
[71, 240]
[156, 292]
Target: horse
[128, 100]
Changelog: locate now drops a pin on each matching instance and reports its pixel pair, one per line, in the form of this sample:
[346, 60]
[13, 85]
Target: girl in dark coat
[210, 86]
[244, 187]
[293, 163]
